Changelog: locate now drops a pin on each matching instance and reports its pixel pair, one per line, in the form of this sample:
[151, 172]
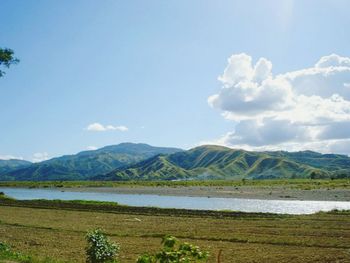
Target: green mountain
[7, 166]
[216, 162]
[128, 161]
[330, 162]
[86, 164]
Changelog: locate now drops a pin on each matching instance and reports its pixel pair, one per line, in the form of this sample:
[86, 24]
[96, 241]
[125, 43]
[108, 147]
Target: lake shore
[245, 192]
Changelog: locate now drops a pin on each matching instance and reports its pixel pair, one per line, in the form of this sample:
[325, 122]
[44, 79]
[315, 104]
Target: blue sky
[151, 67]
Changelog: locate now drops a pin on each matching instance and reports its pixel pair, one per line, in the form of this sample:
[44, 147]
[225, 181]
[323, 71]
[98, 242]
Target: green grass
[80, 202]
[304, 184]
[8, 255]
[5, 197]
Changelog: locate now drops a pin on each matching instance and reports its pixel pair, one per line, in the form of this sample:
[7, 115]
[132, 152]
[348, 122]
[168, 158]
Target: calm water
[200, 203]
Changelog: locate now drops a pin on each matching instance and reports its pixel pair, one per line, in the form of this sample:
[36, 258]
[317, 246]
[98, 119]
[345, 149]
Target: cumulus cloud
[97, 127]
[250, 90]
[267, 131]
[39, 157]
[333, 60]
[308, 107]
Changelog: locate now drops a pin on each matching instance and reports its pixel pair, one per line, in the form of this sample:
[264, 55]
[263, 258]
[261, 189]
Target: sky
[258, 75]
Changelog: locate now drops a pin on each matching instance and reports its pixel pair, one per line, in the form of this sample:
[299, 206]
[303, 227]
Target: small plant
[6, 253]
[4, 247]
[3, 196]
[175, 252]
[100, 249]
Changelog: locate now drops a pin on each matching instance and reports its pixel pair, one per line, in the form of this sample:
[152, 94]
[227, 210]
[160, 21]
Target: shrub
[175, 252]
[6, 253]
[4, 247]
[100, 249]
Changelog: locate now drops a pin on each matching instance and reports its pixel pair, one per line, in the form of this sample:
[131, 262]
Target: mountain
[330, 162]
[129, 161]
[7, 166]
[85, 164]
[217, 162]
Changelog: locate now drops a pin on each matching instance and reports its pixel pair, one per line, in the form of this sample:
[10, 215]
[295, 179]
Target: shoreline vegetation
[296, 183]
[54, 231]
[114, 207]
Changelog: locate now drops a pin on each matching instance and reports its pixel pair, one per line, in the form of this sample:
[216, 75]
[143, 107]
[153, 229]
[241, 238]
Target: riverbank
[56, 230]
[292, 189]
[245, 192]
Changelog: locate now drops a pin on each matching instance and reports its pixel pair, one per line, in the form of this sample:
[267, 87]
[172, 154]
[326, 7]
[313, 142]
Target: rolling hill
[216, 162]
[7, 166]
[128, 161]
[85, 164]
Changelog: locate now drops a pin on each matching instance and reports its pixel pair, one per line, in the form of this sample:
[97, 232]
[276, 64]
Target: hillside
[7, 166]
[329, 162]
[128, 161]
[216, 162]
[85, 164]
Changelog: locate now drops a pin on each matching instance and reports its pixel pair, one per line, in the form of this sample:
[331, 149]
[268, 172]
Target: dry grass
[59, 234]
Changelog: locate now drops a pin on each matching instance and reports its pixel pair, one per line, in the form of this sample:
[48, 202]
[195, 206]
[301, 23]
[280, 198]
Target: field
[56, 230]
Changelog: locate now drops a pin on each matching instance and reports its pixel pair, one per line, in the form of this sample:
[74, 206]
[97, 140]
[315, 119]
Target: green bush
[175, 252]
[100, 249]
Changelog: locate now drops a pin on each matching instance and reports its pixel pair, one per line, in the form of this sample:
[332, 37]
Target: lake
[183, 202]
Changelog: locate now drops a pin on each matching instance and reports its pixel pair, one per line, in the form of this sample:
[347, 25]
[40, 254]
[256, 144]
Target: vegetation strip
[110, 208]
[303, 184]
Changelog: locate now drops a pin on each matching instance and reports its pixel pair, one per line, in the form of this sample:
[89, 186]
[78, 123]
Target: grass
[8, 255]
[303, 184]
[5, 197]
[59, 233]
[79, 202]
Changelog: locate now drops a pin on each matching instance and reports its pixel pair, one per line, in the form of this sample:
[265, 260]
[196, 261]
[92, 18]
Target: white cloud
[333, 60]
[91, 148]
[267, 131]
[309, 107]
[321, 81]
[250, 90]
[39, 157]
[9, 157]
[100, 128]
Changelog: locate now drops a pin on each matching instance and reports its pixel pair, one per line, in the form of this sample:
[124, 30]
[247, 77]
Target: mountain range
[217, 162]
[129, 161]
[6, 166]
[86, 164]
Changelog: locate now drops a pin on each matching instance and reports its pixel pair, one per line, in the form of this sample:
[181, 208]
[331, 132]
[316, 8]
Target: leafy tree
[175, 252]
[7, 59]
[100, 249]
